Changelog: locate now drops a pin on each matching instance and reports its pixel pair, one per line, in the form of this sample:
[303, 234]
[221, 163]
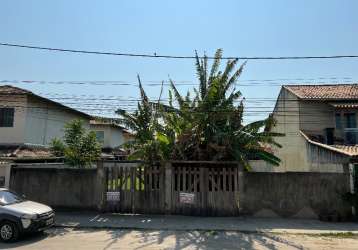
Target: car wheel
[8, 231]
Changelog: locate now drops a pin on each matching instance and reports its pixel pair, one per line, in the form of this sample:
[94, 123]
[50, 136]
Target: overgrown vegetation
[79, 148]
[206, 124]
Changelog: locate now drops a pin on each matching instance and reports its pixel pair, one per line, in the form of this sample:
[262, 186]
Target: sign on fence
[187, 198]
[113, 196]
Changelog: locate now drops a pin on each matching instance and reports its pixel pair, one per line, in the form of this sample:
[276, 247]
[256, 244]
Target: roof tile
[325, 92]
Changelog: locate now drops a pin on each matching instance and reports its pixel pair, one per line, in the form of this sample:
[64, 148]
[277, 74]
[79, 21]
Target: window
[350, 128]
[7, 117]
[350, 119]
[338, 121]
[100, 136]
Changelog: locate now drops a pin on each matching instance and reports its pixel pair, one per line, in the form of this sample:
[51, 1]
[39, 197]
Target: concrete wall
[57, 185]
[5, 169]
[291, 194]
[300, 195]
[287, 116]
[45, 121]
[15, 134]
[113, 136]
[315, 117]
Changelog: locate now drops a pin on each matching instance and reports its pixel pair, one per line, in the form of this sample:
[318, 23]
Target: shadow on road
[200, 240]
[33, 238]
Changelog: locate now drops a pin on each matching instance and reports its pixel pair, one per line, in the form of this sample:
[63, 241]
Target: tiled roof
[325, 92]
[11, 90]
[345, 105]
[352, 150]
[348, 150]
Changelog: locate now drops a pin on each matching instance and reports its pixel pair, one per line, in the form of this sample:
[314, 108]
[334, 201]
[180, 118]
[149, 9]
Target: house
[29, 119]
[109, 133]
[320, 127]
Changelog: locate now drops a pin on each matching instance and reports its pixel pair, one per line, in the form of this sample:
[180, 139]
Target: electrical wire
[155, 55]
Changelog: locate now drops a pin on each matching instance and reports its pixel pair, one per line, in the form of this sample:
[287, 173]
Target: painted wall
[293, 115]
[113, 136]
[287, 116]
[45, 121]
[15, 134]
[35, 121]
[315, 117]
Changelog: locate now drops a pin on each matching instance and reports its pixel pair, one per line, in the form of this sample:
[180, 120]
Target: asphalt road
[65, 238]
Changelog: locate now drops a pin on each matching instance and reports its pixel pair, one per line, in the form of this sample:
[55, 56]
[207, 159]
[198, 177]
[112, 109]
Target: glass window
[100, 136]
[350, 119]
[7, 198]
[338, 121]
[7, 117]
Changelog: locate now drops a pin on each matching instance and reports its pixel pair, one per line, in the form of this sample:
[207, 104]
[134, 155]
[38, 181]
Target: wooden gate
[133, 188]
[205, 189]
[188, 188]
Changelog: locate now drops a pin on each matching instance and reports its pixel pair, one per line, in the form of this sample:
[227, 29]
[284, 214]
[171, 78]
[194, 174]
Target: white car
[18, 216]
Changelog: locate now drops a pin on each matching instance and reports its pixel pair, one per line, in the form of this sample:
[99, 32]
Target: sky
[240, 28]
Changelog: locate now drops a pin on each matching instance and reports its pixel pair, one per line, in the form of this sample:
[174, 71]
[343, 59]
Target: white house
[27, 118]
[108, 133]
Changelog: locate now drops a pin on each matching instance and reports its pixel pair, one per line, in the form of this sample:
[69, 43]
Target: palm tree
[210, 126]
[207, 126]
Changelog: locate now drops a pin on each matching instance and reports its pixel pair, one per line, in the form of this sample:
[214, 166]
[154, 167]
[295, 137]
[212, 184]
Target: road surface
[66, 238]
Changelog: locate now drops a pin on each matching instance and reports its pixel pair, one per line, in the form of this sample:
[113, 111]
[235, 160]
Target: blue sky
[241, 28]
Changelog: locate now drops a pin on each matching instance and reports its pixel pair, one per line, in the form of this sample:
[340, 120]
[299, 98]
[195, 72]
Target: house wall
[293, 115]
[15, 134]
[113, 136]
[45, 121]
[315, 117]
[287, 117]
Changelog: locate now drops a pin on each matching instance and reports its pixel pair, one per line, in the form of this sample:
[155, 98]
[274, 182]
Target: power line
[155, 55]
[239, 83]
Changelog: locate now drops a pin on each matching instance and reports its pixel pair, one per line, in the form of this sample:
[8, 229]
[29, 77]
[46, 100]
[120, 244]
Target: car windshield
[8, 197]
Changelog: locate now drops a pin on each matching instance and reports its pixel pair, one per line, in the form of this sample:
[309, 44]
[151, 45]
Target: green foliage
[205, 126]
[57, 147]
[79, 148]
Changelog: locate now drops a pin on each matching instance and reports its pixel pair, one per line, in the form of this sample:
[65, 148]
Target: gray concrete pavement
[188, 223]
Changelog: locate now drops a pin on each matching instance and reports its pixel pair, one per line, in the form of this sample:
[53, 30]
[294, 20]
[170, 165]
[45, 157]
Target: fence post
[351, 184]
[101, 186]
[168, 187]
[241, 186]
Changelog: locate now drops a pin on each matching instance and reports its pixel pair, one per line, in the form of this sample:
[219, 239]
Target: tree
[79, 148]
[148, 145]
[207, 126]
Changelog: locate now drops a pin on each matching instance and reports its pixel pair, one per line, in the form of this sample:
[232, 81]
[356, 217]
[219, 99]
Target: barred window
[7, 117]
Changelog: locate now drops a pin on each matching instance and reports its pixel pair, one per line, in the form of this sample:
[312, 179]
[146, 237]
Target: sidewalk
[186, 223]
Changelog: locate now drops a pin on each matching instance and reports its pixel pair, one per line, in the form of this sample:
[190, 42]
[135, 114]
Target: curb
[309, 232]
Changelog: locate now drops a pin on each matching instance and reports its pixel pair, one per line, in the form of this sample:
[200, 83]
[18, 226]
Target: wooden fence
[188, 188]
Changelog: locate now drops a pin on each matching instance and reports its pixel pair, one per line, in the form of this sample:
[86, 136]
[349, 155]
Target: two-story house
[29, 119]
[320, 127]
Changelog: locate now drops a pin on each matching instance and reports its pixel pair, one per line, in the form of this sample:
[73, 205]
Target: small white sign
[187, 198]
[113, 196]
